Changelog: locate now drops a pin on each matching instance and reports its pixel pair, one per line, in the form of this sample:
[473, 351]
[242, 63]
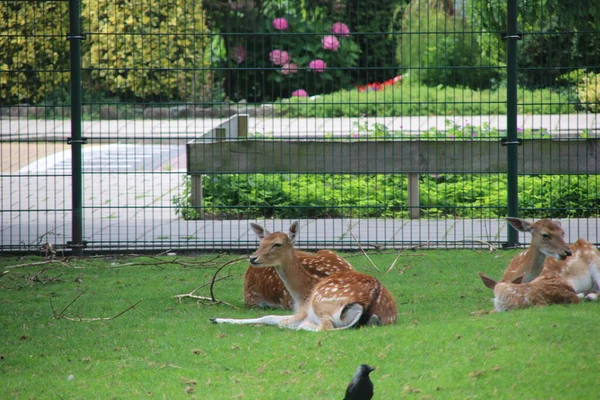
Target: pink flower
[238, 54]
[300, 93]
[279, 57]
[280, 24]
[290, 68]
[340, 29]
[317, 65]
[330, 43]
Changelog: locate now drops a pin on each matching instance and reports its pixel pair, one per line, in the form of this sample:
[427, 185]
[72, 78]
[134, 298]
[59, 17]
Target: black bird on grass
[360, 387]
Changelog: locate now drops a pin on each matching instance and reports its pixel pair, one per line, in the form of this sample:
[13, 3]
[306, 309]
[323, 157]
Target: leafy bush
[272, 51]
[376, 25]
[557, 35]
[34, 56]
[588, 90]
[439, 49]
[149, 49]
[385, 196]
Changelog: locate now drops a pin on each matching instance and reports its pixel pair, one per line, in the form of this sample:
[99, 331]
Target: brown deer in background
[263, 287]
[549, 264]
[339, 301]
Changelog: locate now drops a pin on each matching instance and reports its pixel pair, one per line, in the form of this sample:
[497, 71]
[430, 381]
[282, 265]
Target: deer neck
[532, 264]
[298, 281]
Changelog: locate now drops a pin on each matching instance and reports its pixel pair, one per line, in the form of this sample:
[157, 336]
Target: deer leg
[295, 321]
[266, 320]
[595, 293]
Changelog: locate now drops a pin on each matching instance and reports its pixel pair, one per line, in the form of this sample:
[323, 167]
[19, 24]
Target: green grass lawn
[170, 350]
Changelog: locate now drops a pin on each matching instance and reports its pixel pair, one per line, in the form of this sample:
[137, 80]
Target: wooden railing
[227, 149]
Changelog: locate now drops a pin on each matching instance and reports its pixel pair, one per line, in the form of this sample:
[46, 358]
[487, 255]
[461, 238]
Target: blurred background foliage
[190, 51]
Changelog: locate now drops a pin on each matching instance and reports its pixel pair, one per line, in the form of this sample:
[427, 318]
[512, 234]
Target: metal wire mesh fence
[169, 124]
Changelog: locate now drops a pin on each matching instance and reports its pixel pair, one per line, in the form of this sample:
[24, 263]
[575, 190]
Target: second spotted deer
[551, 271]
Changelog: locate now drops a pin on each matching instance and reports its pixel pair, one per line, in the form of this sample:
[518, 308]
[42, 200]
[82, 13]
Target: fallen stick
[214, 279]
[364, 252]
[62, 315]
[393, 263]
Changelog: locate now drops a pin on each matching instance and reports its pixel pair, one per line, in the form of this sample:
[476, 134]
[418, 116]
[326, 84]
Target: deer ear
[259, 230]
[520, 224]
[293, 232]
[487, 281]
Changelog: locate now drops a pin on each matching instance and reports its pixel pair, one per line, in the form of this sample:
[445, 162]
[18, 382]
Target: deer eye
[545, 236]
[276, 244]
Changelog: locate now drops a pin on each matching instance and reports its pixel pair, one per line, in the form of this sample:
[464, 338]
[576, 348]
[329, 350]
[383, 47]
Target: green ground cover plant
[168, 349]
[410, 98]
[385, 196]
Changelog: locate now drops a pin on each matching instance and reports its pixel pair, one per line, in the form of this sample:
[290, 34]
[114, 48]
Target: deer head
[546, 235]
[275, 249]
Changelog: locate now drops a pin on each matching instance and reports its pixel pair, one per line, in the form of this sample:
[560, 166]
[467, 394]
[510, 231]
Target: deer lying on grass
[339, 301]
[263, 287]
[548, 260]
[539, 292]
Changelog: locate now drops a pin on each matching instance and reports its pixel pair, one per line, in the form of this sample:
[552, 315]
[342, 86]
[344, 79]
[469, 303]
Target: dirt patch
[16, 156]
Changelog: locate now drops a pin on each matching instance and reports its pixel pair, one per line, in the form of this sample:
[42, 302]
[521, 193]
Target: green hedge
[438, 47]
[385, 196]
[148, 49]
[34, 51]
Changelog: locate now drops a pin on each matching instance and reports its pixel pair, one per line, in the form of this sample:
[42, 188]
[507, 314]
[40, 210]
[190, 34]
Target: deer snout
[253, 259]
[565, 254]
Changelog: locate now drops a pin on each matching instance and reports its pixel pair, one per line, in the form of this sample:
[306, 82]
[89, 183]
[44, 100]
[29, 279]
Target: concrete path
[183, 129]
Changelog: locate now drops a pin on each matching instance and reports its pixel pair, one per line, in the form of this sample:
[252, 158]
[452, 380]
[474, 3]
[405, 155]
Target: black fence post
[76, 140]
[512, 37]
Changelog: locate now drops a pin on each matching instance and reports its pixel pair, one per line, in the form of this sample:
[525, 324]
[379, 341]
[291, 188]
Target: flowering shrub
[317, 65]
[299, 93]
[340, 29]
[238, 54]
[330, 43]
[280, 24]
[377, 86]
[271, 53]
[279, 57]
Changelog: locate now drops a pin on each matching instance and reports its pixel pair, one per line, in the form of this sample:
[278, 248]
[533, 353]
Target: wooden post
[197, 198]
[414, 205]
[234, 127]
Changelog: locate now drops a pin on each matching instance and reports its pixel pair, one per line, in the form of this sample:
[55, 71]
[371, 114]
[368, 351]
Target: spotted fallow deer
[263, 287]
[339, 301]
[548, 260]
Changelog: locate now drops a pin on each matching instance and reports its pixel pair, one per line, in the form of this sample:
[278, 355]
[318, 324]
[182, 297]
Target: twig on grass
[490, 246]
[62, 315]
[173, 261]
[400, 253]
[393, 263]
[212, 282]
[35, 263]
[364, 252]
[37, 277]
